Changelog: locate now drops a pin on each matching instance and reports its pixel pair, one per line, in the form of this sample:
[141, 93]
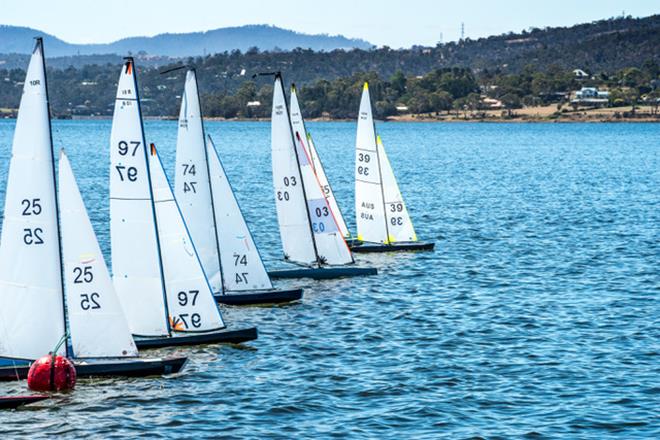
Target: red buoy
[52, 373]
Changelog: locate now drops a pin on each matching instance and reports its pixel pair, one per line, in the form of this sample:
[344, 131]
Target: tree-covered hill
[517, 68]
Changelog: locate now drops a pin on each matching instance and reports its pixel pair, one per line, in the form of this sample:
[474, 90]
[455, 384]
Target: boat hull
[324, 273]
[10, 402]
[260, 297]
[122, 368]
[361, 247]
[222, 337]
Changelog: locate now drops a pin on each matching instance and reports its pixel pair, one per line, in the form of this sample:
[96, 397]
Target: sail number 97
[124, 147]
[187, 320]
[129, 173]
[187, 297]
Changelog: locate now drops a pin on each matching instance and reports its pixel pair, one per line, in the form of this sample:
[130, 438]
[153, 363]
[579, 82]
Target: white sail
[242, 266]
[136, 266]
[326, 187]
[399, 224]
[295, 231]
[370, 215]
[190, 301]
[97, 324]
[31, 300]
[191, 182]
[330, 244]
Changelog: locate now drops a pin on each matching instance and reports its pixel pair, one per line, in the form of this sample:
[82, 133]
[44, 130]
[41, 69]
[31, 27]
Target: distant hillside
[606, 50]
[18, 40]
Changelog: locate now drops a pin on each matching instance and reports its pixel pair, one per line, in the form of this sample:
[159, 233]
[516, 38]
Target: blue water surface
[537, 316]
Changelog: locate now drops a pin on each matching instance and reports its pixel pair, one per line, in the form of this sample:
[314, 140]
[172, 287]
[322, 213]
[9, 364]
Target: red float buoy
[52, 373]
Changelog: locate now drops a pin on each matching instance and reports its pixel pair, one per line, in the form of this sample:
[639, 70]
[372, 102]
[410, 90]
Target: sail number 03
[288, 182]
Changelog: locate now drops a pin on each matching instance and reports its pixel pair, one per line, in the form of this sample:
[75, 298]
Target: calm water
[537, 316]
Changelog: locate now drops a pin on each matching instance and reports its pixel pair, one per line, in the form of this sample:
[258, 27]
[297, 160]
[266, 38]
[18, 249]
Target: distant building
[591, 96]
[580, 74]
[492, 103]
[401, 108]
[254, 103]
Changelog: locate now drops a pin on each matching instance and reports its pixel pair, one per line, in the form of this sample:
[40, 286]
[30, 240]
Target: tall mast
[40, 44]
[151, 192]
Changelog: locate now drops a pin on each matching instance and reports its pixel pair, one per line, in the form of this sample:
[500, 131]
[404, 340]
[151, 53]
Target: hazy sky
[392, 23]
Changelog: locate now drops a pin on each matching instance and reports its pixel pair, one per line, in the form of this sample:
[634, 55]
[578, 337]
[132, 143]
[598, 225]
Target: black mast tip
[173, 69]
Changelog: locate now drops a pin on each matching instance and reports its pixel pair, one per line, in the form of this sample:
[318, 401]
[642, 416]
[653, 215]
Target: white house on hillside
[591, 96]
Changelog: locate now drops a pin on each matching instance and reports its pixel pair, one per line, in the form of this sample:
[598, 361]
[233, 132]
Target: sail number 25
[84, 275]
[30, 207]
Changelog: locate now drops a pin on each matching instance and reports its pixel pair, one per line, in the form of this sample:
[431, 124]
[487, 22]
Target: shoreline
[547, 114]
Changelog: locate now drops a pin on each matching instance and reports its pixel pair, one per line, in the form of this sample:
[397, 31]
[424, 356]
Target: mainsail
[295, 230]
[369, 198]
[31, 294]
[191, 182]
[97, 323]
[136, 260]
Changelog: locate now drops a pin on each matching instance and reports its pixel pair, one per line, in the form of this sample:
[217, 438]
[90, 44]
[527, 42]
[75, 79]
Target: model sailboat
[309, 232]
[53, 279]
[383, 223]
[218, 229]
[156, 269]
